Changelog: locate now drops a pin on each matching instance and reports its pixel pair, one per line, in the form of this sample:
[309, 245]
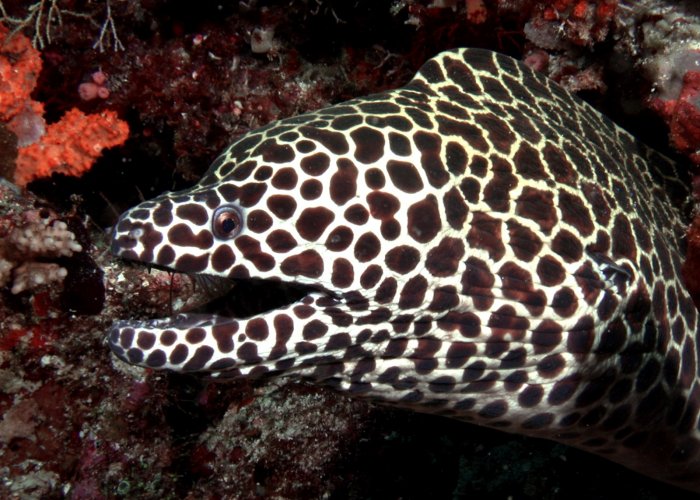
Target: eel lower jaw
[243, 298]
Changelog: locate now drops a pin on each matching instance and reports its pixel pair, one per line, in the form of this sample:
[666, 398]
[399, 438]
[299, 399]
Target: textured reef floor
[76, 422]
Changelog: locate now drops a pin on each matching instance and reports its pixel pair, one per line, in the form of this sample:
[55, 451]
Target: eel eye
[227, 222]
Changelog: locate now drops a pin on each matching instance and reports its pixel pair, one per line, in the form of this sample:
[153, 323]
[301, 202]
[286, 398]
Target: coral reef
[75, 422]
[69, 146]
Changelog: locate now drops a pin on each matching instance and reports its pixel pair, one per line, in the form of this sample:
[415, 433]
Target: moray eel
[479, 244]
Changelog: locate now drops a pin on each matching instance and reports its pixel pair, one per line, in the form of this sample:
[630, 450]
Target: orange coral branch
[70, 146]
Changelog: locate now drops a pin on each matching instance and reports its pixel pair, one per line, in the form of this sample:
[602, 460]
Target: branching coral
[25, 249]
[43, 17]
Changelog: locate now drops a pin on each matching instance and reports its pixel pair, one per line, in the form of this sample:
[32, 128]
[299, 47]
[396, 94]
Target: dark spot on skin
[285, 178]
[568, 246]
[335, 142]
[429, 145]
[305, 146]
[496, 194]
[356, 214]
[199, 359]
[248, 353]
[343, 273]
[367, 247]
[146, 340]
[167, 338]
[346, 122]
[623, 242]
[530, 396]
[282, 206]
[470, 189]
[156, 359]
[390, 229]
[538, 206]
[369, 144]
[311, 189]
[190, 264]
[258, 221]
[312, 222]
[179, 354]
[193, 213]
[182, 235]
[166, 255]
[574, 212]
[424, 220]
[241, 171]
[413, 292]
[402, 259]
[485, 233]
[432, 72]
[371, 276]
[374, 178]
[195, 335]
[307, 263]
[456, 158]
[163, 215]
[386, 291]
[228, 192]
[399, 144]
[257, 329]
[500, 135]
[382, 205]
[250, 248]
[445, 298]
[223, 334]
[528, 163]
[523, 241]
[276, 153]
[565, 302]
[549, 271]
[563, 390]
[314, 329]
[339, 239]
[250, 194]
[315, 164]
[404, 176]
[551, 366]
[444, 259]
[562, 170]
[455, 209]
[477, 281]
[280, 241]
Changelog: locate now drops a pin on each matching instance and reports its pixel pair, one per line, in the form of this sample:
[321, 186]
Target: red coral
[679, 106]
[71, 145]
[20, 66]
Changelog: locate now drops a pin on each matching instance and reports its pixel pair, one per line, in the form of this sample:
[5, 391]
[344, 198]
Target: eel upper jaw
[226, 299]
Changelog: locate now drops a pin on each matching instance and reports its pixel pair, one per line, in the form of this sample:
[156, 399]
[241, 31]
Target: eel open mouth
[250, 297]
[187, 340]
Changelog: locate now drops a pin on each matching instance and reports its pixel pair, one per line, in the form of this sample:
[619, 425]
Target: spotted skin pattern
[479, 244]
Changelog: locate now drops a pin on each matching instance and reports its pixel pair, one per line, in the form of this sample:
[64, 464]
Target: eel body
[479, 244]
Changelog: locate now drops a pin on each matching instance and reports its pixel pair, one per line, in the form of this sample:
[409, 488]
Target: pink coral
[96, 87]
